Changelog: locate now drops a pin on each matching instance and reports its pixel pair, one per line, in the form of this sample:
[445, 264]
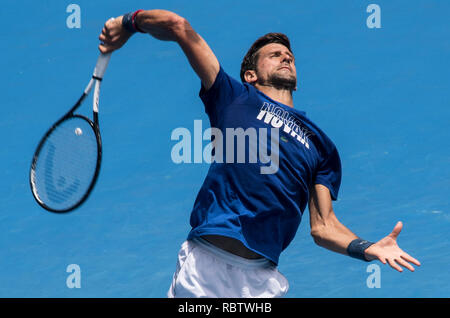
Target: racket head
[66, 164]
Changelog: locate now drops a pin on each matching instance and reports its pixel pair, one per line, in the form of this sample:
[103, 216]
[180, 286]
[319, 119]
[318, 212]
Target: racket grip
[101, 65]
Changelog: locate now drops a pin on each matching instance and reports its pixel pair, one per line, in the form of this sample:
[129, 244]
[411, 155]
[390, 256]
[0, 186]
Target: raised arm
[166, 26]
[328, 232]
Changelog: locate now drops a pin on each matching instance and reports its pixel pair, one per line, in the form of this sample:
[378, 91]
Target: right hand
[113, 35]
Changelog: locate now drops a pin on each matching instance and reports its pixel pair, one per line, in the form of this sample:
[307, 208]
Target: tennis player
[242, 218]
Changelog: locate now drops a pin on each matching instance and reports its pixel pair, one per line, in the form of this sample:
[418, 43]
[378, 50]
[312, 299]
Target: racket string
[67, 164]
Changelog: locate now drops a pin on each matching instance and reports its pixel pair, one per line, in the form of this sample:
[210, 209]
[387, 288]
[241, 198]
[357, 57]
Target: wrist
[129, 22]
[134, 20]
[357, 248]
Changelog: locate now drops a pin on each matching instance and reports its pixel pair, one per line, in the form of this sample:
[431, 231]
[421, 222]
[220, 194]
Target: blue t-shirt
[267, 156]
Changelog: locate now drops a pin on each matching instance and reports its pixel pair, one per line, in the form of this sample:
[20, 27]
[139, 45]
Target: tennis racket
[67, 160]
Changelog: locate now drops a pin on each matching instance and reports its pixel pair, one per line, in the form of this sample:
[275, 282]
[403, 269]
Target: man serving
[245, 216]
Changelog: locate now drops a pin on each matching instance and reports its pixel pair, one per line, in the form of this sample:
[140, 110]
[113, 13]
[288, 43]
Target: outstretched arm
[166, 26]
[329, 233]
[326, 229]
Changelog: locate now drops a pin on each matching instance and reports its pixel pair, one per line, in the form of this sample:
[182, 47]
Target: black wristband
[357, 247]
[127, 22]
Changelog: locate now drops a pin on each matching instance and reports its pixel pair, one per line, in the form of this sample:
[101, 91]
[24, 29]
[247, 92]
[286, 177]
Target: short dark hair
[250, 59]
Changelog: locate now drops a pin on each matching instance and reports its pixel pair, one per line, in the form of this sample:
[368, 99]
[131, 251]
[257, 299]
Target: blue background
[382, 95]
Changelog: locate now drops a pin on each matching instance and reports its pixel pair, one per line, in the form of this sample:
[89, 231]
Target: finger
[382, 260]
[410, 259]
[106, 29]
[110, 32]
[104, 48]
[107, 39]
[394, 265]
[114, 33]
[115, 39]
[405, 264]
[396, 231]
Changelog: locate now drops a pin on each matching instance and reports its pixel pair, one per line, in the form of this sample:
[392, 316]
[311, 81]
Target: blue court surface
[381, 94]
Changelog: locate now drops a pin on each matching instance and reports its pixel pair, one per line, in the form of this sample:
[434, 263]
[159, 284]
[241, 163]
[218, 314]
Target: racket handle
[101, 65]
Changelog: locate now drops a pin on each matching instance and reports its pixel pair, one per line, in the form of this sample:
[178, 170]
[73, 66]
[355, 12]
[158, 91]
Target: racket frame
[95, 81]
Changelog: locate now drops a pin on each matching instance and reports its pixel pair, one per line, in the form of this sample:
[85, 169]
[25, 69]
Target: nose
[287, 58]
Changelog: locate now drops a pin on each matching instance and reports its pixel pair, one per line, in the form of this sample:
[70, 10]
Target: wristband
[357, 247]
[129, 22]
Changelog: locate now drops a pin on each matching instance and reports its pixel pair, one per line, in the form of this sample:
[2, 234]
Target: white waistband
[230, 258]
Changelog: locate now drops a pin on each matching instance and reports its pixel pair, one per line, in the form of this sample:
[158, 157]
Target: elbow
[317, 236]
[178, 26]
[176, 22]
[162, 24]
[170, 21]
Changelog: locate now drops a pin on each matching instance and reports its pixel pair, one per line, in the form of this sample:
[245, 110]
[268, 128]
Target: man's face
[276, 67]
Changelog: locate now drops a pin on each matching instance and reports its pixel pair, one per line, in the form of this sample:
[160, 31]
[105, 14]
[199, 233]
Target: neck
[280, 95]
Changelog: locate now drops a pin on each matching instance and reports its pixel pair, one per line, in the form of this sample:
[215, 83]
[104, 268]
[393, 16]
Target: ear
[250, 76]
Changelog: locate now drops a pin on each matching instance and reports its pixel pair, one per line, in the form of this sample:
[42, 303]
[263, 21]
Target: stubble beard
[280, 82]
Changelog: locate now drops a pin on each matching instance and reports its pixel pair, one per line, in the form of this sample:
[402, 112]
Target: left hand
[387, 251]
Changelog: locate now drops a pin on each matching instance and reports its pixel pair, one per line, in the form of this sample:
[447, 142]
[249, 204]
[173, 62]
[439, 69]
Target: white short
[204, 270]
